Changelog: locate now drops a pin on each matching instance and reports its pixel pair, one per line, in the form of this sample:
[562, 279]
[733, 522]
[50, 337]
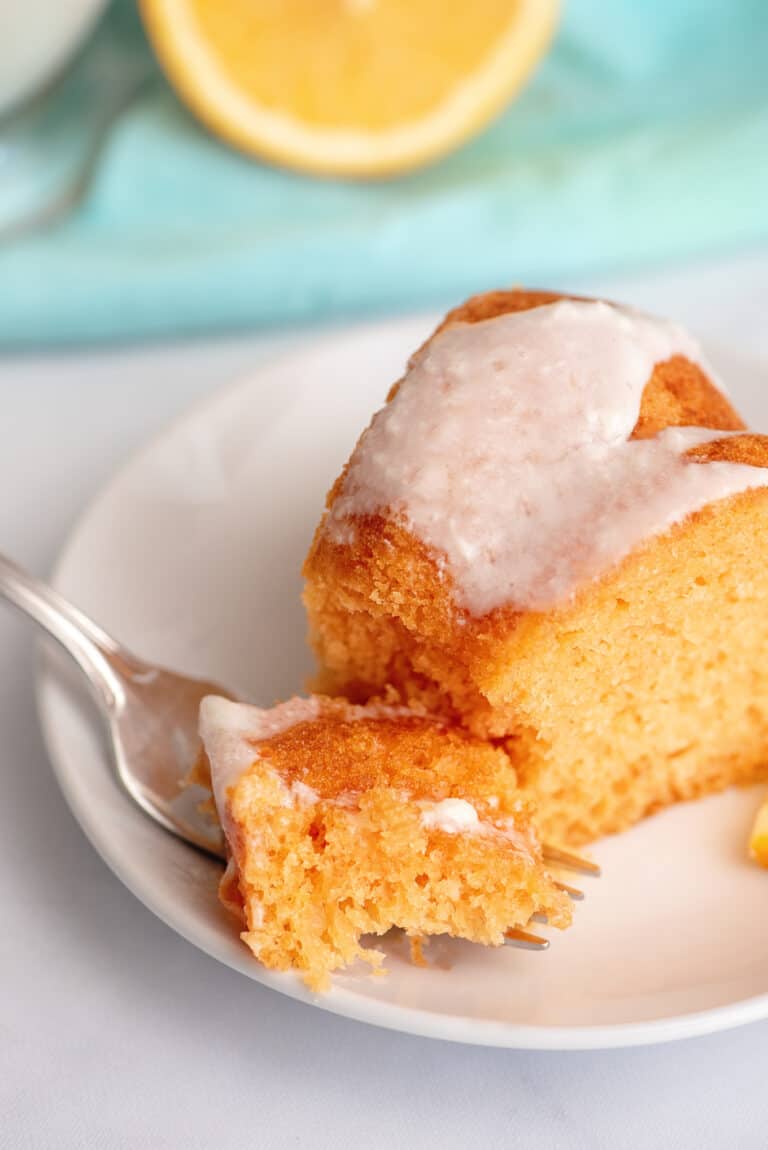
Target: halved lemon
[348, 87]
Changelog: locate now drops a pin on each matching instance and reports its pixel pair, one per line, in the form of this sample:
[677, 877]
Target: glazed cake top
[507, 450]
[230, 732]
[327, 749]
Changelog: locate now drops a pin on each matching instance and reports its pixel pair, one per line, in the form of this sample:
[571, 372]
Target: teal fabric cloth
[643, 137]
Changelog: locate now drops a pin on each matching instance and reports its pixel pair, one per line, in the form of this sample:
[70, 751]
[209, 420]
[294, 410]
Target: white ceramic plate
[192, 556]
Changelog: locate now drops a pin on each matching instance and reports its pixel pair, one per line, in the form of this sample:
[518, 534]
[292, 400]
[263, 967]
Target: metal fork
[151, 715]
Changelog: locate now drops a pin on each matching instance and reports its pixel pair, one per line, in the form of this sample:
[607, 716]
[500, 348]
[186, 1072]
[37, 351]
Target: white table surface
[114, 1032]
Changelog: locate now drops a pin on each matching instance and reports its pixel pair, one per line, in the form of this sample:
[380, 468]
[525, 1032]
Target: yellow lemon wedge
[758, 842]
[348, 87]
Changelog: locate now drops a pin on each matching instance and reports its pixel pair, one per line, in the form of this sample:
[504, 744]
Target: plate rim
[339, 1000]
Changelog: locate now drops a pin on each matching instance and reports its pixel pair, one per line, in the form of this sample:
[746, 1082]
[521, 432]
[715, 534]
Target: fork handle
[96, 652]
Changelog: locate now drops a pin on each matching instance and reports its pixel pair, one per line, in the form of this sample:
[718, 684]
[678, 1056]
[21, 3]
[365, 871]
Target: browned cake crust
[381, 613]
[411, 753]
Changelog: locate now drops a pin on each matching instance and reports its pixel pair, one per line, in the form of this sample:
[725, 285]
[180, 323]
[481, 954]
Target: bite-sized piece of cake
[345, 821]
[556, 533]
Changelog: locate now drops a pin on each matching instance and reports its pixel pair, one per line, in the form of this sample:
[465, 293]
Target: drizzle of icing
[506, 450]
[230, 730]
[454, 816]
[459, 817]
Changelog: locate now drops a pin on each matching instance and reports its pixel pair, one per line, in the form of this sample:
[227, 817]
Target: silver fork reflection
[151, 712]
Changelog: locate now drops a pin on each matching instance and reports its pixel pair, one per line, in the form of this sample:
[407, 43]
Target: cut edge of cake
[344, 822]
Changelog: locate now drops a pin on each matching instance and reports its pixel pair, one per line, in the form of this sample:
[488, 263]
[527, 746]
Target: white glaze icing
[457, 816]
[454, 816]
[507, 451]
[228, 731]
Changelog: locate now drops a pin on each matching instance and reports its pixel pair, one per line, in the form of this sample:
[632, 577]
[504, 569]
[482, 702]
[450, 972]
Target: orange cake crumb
[345, 821]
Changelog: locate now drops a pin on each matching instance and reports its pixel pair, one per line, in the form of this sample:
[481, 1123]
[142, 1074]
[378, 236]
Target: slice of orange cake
[344, 821]
[555, 532]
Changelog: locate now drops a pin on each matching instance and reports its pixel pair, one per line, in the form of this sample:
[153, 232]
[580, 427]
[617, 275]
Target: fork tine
[525, 941]
[569, 861]
[572, 891]
[523, 938]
